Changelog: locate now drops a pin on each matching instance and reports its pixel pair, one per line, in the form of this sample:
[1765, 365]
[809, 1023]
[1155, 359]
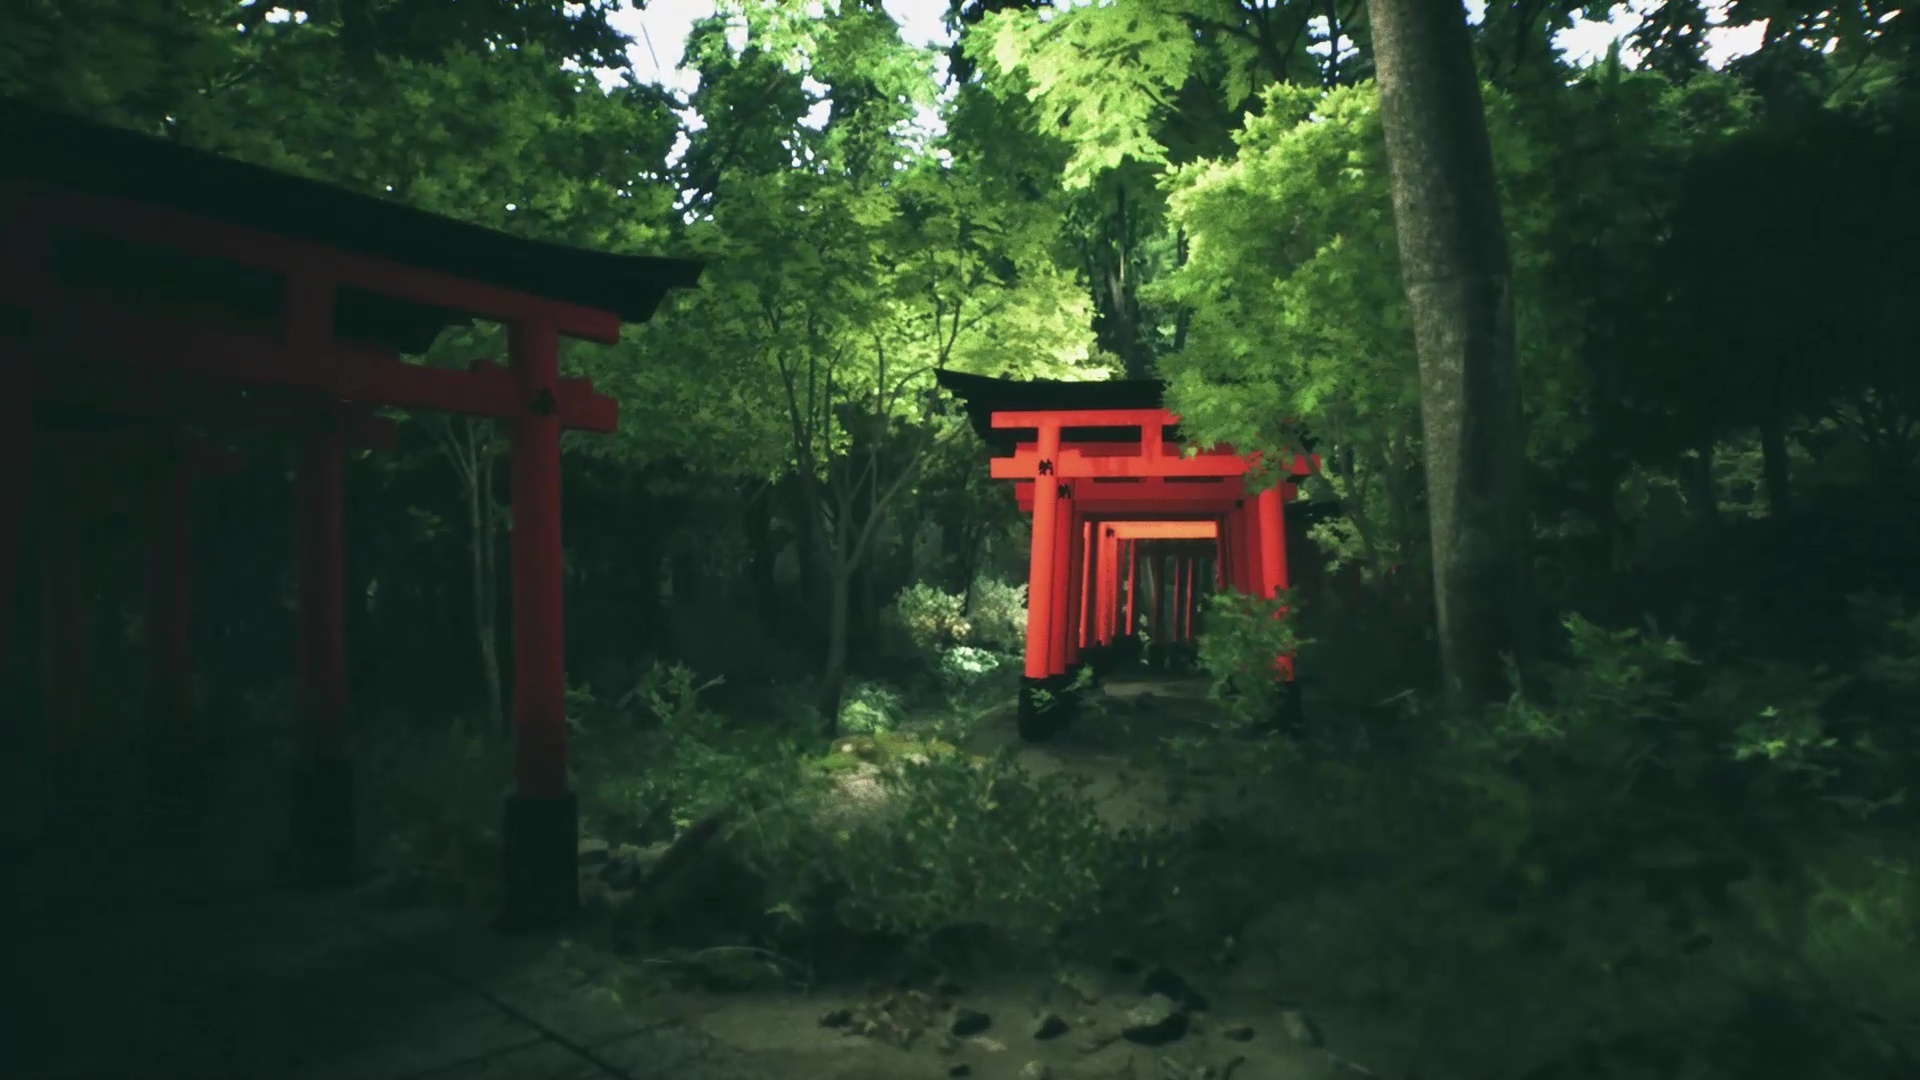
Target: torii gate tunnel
[1130, 527]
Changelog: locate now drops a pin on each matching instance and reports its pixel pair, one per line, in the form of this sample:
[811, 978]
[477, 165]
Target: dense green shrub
[869, 708]
[931, 619]
[976, 844]
[997, 614]
[959, 841]
[1699, 864]
[673, 761]
[1244, 637]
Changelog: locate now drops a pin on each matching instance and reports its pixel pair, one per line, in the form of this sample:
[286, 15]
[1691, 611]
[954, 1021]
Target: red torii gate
[1100, 467]
[148, 290]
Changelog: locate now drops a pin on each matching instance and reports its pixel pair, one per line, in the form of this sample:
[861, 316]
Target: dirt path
[149, 980]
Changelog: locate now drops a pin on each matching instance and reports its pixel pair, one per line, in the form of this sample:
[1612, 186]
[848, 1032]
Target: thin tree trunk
[1696, 476]
[1455, 266]
[833, 680]
[468, 444]
[1773, 466]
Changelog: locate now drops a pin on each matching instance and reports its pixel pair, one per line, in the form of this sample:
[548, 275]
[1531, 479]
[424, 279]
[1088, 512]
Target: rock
[1170, 983]
[1036, 1070]
[595, 896]
[960, 1068]
[1341, 1067]
[1238, 1033]
[1079, 986]
[1096, 1043]
[1301, 1028]
[1049, 1026]
[1155, 1022]
[969, 1022]
[837, 1018]
[623, 867]
[592, 852]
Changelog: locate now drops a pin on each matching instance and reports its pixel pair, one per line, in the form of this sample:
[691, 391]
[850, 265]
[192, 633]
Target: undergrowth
[1652, 868]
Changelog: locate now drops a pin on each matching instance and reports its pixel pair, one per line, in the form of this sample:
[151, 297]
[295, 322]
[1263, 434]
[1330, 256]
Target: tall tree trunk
[759, 527]
[1773, 466]
[840, 574]
[833, 678]
[1454, 264]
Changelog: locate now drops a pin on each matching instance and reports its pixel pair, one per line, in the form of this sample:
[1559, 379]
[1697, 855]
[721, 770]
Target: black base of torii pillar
[1048, 704]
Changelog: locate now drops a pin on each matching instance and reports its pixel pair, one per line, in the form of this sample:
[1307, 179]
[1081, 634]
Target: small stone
[1301, 1028]
[1341, 1067]
[1172, 984]
[837, 1018]
[1036, 1070]
[1238, 1033]
[1096, 1043]
[1079, 986]
[1048, 1026]
[969, 1022]
[960, 1068]
[1157, 1021]
[622, 867]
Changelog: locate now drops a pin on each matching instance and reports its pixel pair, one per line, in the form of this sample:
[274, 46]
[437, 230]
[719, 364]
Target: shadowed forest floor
[148, 980]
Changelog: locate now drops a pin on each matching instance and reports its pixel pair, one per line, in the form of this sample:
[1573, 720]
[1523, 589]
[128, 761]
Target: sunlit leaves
[1103, 76]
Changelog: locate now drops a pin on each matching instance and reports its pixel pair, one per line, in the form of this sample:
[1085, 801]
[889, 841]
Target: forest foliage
[1691, 823]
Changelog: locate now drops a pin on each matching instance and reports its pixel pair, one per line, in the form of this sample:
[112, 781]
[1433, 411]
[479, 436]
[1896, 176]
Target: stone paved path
[279, 986]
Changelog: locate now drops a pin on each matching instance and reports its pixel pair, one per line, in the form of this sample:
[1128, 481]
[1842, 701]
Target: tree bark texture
[1456, 270]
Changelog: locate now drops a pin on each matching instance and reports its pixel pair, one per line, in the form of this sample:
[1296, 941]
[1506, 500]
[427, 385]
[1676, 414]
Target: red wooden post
[1109, 589]
[323, 582]
[1168, 564]
[323, 827]
[1040, 554]
[1110, 556]
[1186, 598]
[169, 618]
[1063, 532]
[1157, 591]
[172, 764]
[67, 631]
[1083, 560]
[1250, 540]
[16, 483]
[1273, 557]
[1133, 565]
[541, 835]
[1273, 553]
